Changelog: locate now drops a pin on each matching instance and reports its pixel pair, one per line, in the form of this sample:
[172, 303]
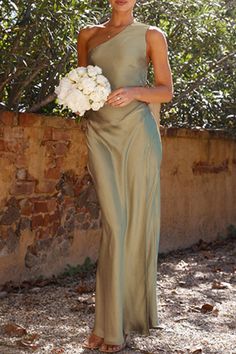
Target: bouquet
[82, 89]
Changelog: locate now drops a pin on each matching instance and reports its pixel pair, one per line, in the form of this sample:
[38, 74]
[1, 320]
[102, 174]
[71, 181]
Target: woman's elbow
[169, 96]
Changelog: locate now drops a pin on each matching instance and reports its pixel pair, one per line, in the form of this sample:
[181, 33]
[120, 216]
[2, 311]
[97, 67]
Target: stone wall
[198, 186]
[49, 213]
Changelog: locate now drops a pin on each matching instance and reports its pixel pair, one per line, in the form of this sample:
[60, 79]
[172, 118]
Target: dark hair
[104, 18]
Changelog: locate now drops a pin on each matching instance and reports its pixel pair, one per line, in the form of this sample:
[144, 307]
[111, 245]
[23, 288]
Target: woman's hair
[104, 18]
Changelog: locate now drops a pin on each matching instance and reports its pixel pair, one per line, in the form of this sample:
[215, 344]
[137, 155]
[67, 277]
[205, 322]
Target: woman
[125, 152]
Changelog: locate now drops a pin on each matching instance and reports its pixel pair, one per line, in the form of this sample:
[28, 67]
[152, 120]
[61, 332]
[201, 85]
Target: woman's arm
[157, 50]
[82, 50]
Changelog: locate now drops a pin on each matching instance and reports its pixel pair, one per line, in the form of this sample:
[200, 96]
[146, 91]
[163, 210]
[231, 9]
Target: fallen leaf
[215, 312]
[206, 308]
[207, 254]
[57, 351]
[220, 285]
[79, 307]
[13, 329]
[30, 337]
[25, 344]
[84, 288]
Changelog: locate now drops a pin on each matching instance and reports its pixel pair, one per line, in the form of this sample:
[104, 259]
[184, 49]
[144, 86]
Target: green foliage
[200, 37]
[38, 46]
[81, 270]
[231, 231]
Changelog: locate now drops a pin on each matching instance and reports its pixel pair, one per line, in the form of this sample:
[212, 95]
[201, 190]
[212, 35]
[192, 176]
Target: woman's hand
[121, 97]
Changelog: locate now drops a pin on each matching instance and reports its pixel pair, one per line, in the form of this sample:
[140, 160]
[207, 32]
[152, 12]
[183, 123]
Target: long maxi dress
[124, 158]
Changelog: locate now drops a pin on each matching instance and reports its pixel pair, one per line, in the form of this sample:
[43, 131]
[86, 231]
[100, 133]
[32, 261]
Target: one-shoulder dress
[124, 159]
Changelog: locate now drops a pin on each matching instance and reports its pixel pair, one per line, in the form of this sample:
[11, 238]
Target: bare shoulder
[87, 32]
[156, 35]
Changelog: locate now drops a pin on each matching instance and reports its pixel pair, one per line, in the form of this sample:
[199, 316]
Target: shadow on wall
[49, 212]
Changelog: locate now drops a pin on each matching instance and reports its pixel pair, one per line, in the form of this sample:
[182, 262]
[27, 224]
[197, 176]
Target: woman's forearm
[157, 94]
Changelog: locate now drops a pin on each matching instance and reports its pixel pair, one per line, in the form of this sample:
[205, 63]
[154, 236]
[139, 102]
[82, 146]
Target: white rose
[81, 71]
[77, 102]
[73, 75]
[88, 85]
[102, 80]
[103, 92]
[96, 106]
[95, 96]
[63, 88]
[93, 70]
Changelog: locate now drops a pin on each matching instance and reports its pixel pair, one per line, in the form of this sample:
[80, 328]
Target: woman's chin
[120, 5]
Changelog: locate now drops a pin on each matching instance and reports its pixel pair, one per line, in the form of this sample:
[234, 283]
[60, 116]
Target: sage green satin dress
[124, 158]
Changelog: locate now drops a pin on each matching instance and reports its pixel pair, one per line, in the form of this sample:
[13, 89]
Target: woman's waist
[109, 113]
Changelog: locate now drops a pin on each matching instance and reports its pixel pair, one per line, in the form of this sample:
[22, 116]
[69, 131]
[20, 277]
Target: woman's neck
[121, 19]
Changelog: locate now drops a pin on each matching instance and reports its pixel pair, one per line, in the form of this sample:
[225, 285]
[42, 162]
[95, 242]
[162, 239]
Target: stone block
[29, 119]
[46, 186]
[7, 118]
[37, 220]
[40, 206]
[26, 207]
[58, 134]
[2, 145]
[24, 187]
[10, 216]
[21, 174]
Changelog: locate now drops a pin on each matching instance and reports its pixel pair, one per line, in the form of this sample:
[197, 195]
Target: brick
[24, 187]
[54, 217]
[46, 219]
[61, 148]
[25, 223]
[52, 204]
[2, 145]
[13, 202]
[13, 133]
[12, 240]
[29, 119]
[47, 133]
[31, 178]
[4, 232]
[10, 216]
[172, 131]
[54, 228]
[69, 202]
[38, 220]
[40, 207]
[52, 173]
[11, 157]
[38, 233]
[26, 207]
[14, 146]
[46, 187]
[60, 135]
[21, 174]
[7, 118]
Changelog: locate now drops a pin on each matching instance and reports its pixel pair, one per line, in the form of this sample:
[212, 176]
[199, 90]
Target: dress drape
[124, 159]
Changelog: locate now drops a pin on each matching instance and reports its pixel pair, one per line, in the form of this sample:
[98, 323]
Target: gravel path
[196, 295]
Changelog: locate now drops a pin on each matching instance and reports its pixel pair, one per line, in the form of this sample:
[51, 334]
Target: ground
[196, 297]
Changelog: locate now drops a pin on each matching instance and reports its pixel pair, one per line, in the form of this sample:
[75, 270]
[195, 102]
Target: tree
[39, 44]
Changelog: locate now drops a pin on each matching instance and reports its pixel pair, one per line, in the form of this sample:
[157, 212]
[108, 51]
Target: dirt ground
[196, 297]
